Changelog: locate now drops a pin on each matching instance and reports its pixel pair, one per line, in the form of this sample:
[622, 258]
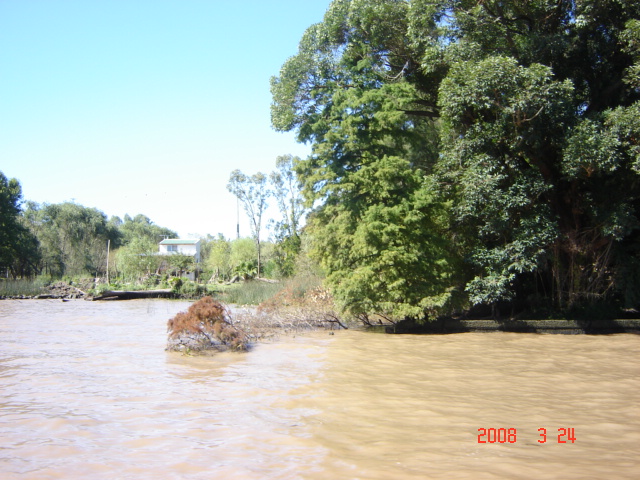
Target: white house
[184, 247]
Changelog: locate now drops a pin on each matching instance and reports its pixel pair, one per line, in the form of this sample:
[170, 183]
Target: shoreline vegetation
[263, 311]
[250, 292]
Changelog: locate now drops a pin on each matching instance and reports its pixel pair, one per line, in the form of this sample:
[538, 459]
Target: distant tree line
[71, 240]
[470, 154]
[254, 192]
[68, 239]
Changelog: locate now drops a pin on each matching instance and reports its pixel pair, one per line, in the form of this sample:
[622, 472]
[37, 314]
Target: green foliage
[73, 239]
[288, 192]
[187, 288]
[242, 250]
[138, 259]
[495, 113]
[631, 38]
[19, 253]
[307, 265]
[246, 270]
[387, 253]
[504, 134]
[253, 192]
[219, 258]
[140, 227]
[285, 253]
[373, 141]
[180, 264]
[23, 287]
[228, 258]
[68, 239]
[252, 292]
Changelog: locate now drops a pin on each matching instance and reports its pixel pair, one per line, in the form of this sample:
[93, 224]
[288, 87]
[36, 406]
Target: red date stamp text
[510, 435]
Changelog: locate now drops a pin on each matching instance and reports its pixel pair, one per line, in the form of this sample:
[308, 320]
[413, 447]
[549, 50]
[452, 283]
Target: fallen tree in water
[206, 326]
[133, 294]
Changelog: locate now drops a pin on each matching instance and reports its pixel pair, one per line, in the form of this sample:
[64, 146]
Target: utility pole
[108, 248]
[238, 217]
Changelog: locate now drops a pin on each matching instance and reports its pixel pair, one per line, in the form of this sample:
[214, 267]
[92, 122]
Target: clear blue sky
[145, 106]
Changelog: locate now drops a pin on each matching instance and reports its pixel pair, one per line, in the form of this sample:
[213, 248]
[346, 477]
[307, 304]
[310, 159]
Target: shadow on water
[572, 327]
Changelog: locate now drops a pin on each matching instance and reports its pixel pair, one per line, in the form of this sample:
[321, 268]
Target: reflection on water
[87, 391]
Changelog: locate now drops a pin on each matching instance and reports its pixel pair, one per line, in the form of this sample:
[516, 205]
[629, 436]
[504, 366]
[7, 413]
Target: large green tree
[378, 228]
[501, 133]
[539, 132]
[10, 199]
[73, 238]
[18, 247]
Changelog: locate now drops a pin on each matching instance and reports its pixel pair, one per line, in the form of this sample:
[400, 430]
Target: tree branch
[422, 113]
[334, 319]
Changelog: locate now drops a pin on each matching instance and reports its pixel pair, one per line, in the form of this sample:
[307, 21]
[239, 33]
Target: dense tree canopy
[140, 227]
[18, 247]
[470, 152]
[10, 199]
[73, 238]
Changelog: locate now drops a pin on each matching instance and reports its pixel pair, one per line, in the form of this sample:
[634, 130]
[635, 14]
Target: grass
[246, 293]
[255, 292]
[22, 287]
[250, 292]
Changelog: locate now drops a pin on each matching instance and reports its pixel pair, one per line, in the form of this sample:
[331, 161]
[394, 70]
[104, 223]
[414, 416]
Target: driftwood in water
[133, 294]
[266, 280]
[206, 327]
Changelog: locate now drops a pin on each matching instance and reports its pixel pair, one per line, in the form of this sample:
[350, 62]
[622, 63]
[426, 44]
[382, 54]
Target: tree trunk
[129, 295]
[259, 257]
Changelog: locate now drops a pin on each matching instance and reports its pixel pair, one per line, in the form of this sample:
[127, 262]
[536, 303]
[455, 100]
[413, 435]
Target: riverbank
[558, 326]
[66, 291]
[242, 293]
[285, 315]
[264, 326]
[55, 291]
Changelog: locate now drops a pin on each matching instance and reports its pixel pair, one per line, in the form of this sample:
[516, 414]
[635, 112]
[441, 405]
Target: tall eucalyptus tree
[253, 192]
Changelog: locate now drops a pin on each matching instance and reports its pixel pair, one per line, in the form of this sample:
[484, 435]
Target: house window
[172, 248]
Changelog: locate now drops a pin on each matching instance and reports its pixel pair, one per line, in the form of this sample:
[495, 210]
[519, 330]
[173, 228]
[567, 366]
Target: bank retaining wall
[525, 326]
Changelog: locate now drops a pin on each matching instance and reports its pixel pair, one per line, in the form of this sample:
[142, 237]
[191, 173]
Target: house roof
[178, 241]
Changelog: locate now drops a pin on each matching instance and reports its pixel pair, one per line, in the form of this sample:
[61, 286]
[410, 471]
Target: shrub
[191, 289]
[175, 283]
[151, 281]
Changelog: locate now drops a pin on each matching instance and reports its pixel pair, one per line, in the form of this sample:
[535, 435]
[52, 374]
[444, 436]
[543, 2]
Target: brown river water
[88, 392]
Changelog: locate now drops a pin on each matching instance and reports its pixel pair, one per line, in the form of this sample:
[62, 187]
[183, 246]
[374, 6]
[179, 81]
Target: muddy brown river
[88, 392]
